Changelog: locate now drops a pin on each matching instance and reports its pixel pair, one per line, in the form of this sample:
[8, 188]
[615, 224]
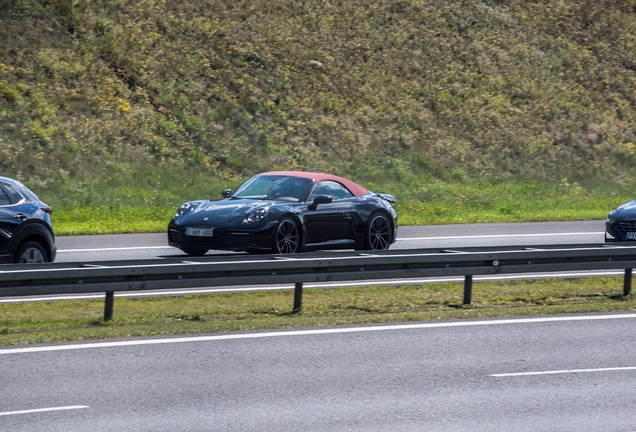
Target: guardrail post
[108, 306]
[298, 296]
[627, 283]
[468, 289]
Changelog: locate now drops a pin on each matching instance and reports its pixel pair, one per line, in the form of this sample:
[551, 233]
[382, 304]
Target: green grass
[28, 323]
[467, 111]
[419, 203]
[505, 91]
[103, 220]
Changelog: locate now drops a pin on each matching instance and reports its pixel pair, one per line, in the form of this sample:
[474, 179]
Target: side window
[4, 199]
[14, 195]
[334, 189]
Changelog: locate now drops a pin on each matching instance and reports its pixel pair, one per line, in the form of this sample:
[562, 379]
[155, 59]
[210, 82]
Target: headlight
[257, 215]
[610, 220]
[183, 209]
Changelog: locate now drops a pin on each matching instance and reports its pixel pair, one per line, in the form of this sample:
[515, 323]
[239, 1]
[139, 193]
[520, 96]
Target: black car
[26, 231]
[621, 223]
[287, 212]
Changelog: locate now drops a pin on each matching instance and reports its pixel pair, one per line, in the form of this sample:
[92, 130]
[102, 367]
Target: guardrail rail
[297, 269]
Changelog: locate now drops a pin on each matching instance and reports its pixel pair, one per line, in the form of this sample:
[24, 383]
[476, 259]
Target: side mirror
[226, 193]
[320, 199]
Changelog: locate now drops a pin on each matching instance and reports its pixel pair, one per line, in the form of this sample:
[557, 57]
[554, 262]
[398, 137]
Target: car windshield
[277, 187]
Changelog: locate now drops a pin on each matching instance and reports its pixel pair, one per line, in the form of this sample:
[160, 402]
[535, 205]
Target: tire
[195, 252]
[378, 233]
[286, 237]
[31, 253]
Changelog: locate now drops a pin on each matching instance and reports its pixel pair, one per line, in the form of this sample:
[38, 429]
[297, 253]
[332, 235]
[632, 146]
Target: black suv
[26, 231]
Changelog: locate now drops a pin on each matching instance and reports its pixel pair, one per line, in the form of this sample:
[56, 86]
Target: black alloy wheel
[378, 233]
[286, 237]
[31, 253]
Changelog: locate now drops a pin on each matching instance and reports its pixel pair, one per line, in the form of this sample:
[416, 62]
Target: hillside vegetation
[132, 102]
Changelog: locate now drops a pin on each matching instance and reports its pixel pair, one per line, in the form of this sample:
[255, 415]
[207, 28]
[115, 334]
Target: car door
[8, 220]
[331, 221]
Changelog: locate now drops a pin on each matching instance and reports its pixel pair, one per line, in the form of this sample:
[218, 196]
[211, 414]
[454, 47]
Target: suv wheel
[31, 253]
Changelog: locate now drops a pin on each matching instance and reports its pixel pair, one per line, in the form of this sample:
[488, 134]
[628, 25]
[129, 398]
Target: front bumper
[221, 240]
[618, 230]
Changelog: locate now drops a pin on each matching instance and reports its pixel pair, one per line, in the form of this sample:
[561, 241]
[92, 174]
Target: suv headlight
[257, 215]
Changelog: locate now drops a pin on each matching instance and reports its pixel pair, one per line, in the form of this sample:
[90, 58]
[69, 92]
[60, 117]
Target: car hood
[221, 212]
[624, 211]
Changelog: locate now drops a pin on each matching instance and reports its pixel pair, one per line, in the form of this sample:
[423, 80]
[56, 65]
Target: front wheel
[378, 235]
[31, 253]
[286, 236]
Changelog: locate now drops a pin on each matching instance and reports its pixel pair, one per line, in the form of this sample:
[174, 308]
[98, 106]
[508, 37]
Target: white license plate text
[200, 232]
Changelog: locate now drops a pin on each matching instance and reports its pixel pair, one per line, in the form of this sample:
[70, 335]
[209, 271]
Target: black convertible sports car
[621, 223]
[287, 212]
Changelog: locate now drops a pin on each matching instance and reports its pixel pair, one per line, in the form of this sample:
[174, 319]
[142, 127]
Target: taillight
[48, 210]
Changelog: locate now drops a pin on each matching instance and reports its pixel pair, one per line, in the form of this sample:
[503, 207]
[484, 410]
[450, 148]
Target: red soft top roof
[354, 188]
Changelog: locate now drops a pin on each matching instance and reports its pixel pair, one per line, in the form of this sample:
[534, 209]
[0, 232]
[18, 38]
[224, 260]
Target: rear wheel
[286, 236]
[195, 252]
[378, 235]
[31, 253]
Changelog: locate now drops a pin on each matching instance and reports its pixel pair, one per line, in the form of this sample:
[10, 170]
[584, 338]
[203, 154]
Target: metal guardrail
[140, 275]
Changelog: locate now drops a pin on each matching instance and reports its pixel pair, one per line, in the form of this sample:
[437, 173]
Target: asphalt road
[557, 373]
[148, 246]
[538, 374]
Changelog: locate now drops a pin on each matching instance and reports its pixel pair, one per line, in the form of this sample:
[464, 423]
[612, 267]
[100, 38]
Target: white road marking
[331, 330]
[501, 236]
[115, 249]
[322, 285]
[565, 371]
[399, 239]
[31, 411]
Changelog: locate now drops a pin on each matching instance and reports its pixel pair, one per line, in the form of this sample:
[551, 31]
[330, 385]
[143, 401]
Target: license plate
[630, 236]
[200, 232]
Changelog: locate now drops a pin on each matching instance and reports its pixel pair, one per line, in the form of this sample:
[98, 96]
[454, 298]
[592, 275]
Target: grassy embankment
[115, 112]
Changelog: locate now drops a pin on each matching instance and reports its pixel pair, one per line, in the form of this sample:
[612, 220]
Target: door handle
[20, 216]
